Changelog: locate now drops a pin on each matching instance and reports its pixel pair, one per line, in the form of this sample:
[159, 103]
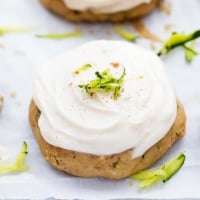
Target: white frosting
[72, 119]
[104, 6]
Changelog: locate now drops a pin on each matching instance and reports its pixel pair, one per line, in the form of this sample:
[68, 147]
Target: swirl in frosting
[72, 119]
[104, 6]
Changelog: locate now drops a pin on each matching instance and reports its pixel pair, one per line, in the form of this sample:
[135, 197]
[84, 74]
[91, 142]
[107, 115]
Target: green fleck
[105, 82]
[82, 68]
[18, 165]
[58, 36]
[129, 36]
[116, 165]
[190, 52]
[13, 29]
[163, 173]
[176, 40]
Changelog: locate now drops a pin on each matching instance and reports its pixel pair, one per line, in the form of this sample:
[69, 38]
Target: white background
[23, 53]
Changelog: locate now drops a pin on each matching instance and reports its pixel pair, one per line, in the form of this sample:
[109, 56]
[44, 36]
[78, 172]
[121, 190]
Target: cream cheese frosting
[72, 119]
[104, 6]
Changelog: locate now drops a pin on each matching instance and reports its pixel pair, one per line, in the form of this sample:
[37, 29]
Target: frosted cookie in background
[100, 10]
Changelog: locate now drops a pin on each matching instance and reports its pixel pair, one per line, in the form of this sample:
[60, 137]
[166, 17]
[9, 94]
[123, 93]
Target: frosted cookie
[103, 10]
[105, 109]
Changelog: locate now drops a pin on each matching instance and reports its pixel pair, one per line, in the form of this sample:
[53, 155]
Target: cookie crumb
[153, 46]
[139, 77]
[2, 45]
[1, 103]
[13, 94]
[70, 84]
[131, 182]
[168, 27]
[165, 7]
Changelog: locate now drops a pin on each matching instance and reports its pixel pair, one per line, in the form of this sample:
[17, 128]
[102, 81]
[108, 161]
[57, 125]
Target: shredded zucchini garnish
[18, 165]
[190, 52]
[127, 35]
[176, 40]
[82, 68]
[58, 36]
[163, 173]
[105, 82]
[13, 29]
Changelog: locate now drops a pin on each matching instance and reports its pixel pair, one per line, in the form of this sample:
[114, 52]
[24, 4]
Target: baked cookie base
[116, 166]
[58, 7]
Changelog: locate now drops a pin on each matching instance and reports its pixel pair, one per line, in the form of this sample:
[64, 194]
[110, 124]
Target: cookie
[115, 166]
[60, 8]
[102, 110]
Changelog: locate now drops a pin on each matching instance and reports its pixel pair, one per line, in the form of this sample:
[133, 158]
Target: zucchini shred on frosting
[99, 124]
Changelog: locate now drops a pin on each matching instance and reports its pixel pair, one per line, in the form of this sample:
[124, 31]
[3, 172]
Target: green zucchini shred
[173, 166]
[190, 52]
[149, 174]
[146, 183]
[163, 173]
[18, 165]
[82, 68]
[176, 40]
[13, 29]
[58, 36]
[105, 82]
[125, 34]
